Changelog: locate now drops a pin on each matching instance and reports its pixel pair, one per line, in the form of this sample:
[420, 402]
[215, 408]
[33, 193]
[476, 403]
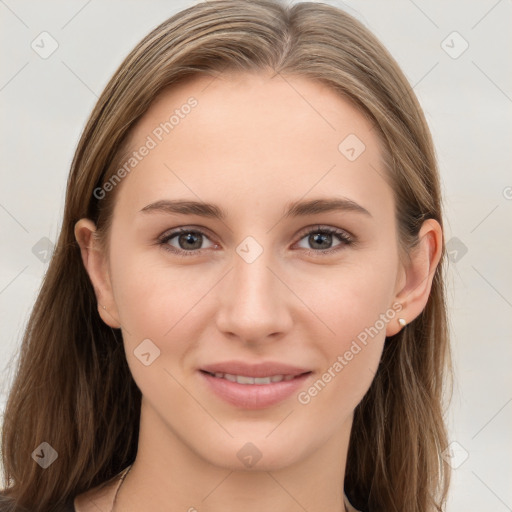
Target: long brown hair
[73, 388]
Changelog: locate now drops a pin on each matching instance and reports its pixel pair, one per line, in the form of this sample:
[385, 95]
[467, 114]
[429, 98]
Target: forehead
[257, 136]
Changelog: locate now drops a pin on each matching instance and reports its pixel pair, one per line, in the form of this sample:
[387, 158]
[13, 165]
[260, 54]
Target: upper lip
[265, 369]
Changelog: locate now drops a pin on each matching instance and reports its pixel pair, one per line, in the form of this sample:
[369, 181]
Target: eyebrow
[321, 205]
[293, 209]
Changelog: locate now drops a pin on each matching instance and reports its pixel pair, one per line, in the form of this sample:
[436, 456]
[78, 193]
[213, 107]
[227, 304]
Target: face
[257, 292]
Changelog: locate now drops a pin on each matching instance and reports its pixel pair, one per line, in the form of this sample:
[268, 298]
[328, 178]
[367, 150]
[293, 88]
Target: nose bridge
[252, 302]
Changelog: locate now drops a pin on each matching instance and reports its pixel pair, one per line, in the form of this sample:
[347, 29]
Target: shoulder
[97, 498]
[102, 496]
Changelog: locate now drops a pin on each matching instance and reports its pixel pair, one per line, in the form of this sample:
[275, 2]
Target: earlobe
[419, 274]
[95, 264]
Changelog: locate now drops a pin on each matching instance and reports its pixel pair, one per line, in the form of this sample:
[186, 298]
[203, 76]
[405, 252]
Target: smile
[254, 392]
[244, 379]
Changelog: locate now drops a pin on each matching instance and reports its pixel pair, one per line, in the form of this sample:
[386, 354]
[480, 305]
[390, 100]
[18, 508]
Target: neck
[167, 471]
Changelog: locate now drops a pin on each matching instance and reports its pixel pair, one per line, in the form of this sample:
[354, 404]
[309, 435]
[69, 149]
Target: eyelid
[186, 229]
[323, 227]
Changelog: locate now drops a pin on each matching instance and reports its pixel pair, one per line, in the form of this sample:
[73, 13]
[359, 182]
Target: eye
[187, 241]
[321, 239]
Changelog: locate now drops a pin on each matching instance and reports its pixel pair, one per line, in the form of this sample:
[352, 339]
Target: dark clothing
[68, 506]
[7, 505]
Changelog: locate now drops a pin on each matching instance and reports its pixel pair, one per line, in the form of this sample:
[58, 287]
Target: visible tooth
[262, 380]
[242, 379]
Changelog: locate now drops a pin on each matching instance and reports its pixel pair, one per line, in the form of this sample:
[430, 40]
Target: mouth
[253, 386]
[245, 379]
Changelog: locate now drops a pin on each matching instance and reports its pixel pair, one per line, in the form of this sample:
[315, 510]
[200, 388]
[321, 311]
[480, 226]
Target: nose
[254, 302]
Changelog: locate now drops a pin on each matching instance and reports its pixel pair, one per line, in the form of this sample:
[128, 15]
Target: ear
[96, 265]
[418, 274]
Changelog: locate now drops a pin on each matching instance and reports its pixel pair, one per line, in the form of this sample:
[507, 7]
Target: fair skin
[251, 146]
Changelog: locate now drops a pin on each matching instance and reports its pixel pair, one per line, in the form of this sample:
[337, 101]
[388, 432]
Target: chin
[254, 452]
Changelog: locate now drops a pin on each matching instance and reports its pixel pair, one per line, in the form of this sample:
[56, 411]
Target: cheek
[152, 297]
[355, 306]
[350, 298]
[160, 303]
[351, 357]
[155, 304]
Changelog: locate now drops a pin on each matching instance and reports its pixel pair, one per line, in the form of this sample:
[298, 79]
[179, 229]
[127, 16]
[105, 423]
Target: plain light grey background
[456, 56]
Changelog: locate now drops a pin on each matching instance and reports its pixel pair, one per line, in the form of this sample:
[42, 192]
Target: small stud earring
[402, 322]
[104, 307]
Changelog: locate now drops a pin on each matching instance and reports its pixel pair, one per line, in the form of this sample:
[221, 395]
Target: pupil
[325, 237]
[189, 238]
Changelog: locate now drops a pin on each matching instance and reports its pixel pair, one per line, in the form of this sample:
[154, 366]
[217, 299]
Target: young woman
[245, 308]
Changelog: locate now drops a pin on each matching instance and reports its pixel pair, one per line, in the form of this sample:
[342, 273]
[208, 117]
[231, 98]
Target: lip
[254, 370]
[254, 396]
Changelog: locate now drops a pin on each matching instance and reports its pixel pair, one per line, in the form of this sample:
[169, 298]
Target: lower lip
[254, 396]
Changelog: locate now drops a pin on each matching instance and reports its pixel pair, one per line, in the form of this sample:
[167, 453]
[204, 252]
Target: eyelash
[344, 237]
